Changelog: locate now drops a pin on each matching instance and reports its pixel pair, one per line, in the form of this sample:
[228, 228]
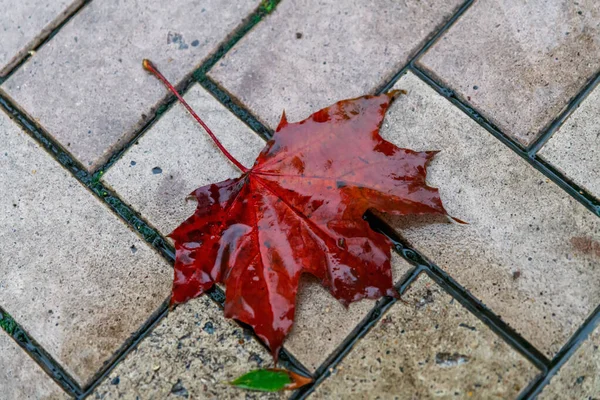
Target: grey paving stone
[87, 86]
[575, 148]
[192, 353]
[21, 377]
[430, 348]
[322, 323]
[185, 156]
[188, 159]
[519, 62]
[308, 55]
[520, 252]
[73, 275]
[25, 23]
[579, 378]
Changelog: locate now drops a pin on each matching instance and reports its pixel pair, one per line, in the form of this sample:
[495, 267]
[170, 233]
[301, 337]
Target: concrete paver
[25, 23]
[519, 62]
[575, 148]
[521, 251]
[96, 94]
[308, 55]
[580, 376]
[81, 282]
[71, 273]
[430, 348]
[21, 377]
[192, 353]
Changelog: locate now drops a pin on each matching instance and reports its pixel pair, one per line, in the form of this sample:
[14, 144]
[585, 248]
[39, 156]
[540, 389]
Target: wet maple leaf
[298, 210]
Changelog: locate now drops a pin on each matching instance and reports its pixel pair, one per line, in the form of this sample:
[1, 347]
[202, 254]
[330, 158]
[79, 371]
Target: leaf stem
[148, 66]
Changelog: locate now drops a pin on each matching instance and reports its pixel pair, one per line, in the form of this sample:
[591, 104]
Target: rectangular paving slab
[192, 353]
[187, 159]
[431, 347]
[71, 273]
[307, 55]
[21, 377]
[517, 62]
[580, 376]
[575, 148]
[519, 252]
[24, 24]
[95, 92]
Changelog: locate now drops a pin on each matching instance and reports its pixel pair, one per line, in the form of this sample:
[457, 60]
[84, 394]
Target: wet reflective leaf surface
[300, 209]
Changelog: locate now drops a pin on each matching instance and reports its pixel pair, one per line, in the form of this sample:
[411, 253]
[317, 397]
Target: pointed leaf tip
[271, 380]
[283, 122]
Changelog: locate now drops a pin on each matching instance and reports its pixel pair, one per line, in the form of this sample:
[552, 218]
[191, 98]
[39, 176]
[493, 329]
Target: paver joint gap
[362, 328]
[38, 354]
[436, 36]
[536, 145]
[578, 193]
[199, 75]
[92, 182]
[462, 295]
[130, 217]
[43, 40]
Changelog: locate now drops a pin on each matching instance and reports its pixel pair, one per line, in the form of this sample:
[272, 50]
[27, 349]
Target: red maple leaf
[300, 209]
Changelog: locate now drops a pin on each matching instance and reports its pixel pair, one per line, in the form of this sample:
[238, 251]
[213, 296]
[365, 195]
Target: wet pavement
[96, 160]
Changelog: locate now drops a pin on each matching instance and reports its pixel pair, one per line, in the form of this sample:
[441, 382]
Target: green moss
[7, 323]
[267, 6]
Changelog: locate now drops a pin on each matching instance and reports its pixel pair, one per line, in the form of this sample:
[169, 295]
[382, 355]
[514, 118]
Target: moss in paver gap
[266, 6]
[199, 75]
[7, 323]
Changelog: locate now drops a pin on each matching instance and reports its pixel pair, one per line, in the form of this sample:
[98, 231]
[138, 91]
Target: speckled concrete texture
[579, 378]
[91, 71]
[25, 23]
[520, 252]
[71, 273]
[21, 377]
[320, 315]
[575, 148]
[519, 62]
[429, 348]
[187, 159]
[176, 156]
[192, 353]
[310, 54]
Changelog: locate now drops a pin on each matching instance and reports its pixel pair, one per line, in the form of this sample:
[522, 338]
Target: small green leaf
[270, 380]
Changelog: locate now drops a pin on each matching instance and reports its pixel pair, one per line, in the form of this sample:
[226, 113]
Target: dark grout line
[134, 220]
[126, 348]
[563, 355]
[363, 327]
[390, 84]
[38, 354]
[131, 218]
[162, 107]
[570, 109]
[577, 192]
[530, 155]
[127, 214]
[199, 75]
[462, 295]
[227, 100]
[449, 285]
[45, 40]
